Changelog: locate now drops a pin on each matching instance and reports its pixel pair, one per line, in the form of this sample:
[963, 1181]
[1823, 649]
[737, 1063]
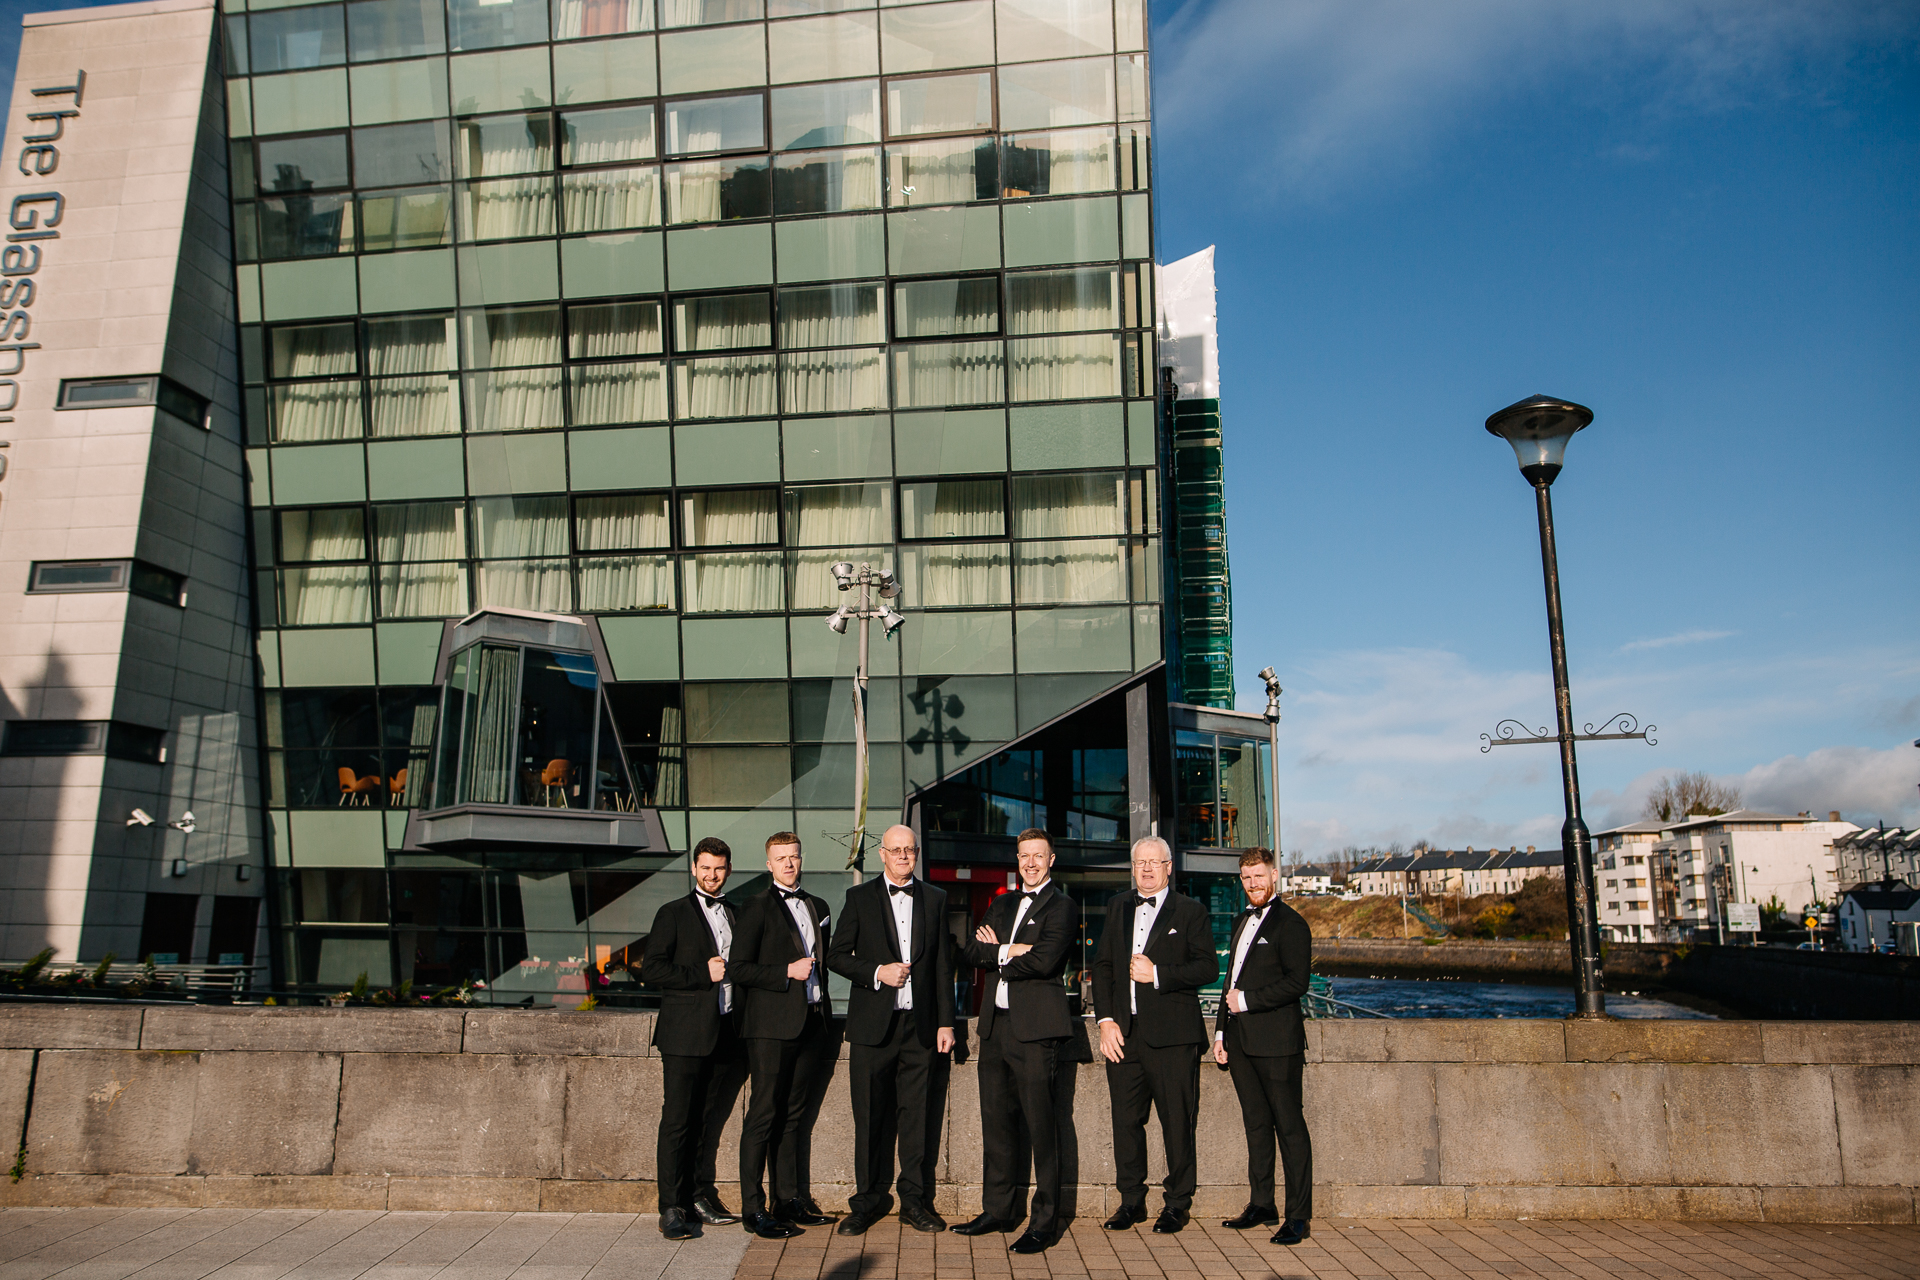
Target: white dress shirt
[715, 910]
[1144, 915]
[901, 904]
[1240, 950]
[802, 917]
[1028, 898]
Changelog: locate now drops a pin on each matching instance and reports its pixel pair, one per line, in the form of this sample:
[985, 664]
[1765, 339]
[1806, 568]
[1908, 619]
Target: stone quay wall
[484, 1109]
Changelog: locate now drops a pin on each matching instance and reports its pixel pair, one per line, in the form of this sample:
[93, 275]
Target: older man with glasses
[1154, 955]
[892, 945]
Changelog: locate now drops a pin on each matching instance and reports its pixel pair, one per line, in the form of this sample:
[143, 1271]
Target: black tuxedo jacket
[765, 941]
[675, 965]
[865, 940]
[1180, 945]
[1036, 1001]
[1273, 979]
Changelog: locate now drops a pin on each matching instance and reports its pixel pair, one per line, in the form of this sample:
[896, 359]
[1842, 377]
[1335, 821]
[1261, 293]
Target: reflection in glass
[607, 137]
[688, 13]
[406, 219]
[500, 145]
[826, 115]
[1196, 788]
[395, 29]
[826, 181]
[399, 155]
[940, 104]
[716, 124]
[410, 537]
[939, 308]
[1057, 164]
[1243, 792]
[717, 190]
[1057, 95]
[833, 381]
[834, 315]
[952, 509]
[294, 39]
[574, 19]
[963, 575]
[519, 526]
[493, 24]
[506, 336]
[615, 584]
[544, 586]
[306, 226]
[1086, 366]
[1054, 28]
[930, 374]
[410, 344]
[514, 400]
[736, 711]
[510, 208]
[303, 164]
[947, 171]
[558, 706]
[610, 199]
[422, 590]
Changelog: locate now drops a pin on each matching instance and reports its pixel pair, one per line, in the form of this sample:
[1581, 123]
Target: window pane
[829, 48]
[931, 36]
[826, 181]
[505, 144]
[385, 91]
[693, 13]
[303, 164]
[508, 208]
[831, 315]
[621, 522]
[1060, 301]
[839, 515]
[426, 404]
[423, 590]
[833, 381]
[573, 19]
[968, 574]
[741, 711]
[607, 137]
[1091, 570]
[1130, 76]
[317, 411]
[724, 387]
[611, 199]
[949, 171]
[1054, 28]
[930, 374]
[795, 8]
[410, 344]
[306, 226]
[1068, 506]
[1077, 368]
[613, 329]
[952, 509]
[337, 533]
[726, 323]
[811, 584]
[940, 104]
[313, 351]
[322, 597]
[406, 219]
[234, 46]
[1052, 95]
[396, 28]
[826, 115]
[509, 336]
[615, 584]
[735, 582]
[717, 190]
[605, 394]
[514, 400]
[421, 531]
[401, 154]
[1057, 164]
[730, 517]
[716, 124]
[295, 38]
[544, 586]
[937, 308]
[490, 24]
[519, 526]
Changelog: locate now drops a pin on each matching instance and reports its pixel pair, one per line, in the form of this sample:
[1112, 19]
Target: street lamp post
[870, 582]
[1273, 753]
[1539, 428]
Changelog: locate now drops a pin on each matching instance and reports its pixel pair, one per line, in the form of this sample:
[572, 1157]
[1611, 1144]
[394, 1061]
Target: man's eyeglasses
[911, 848]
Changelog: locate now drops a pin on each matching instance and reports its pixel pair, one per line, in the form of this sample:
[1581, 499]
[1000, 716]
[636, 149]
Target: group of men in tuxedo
[743, 996]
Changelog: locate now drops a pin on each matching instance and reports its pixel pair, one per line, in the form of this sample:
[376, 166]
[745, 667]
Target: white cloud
[1341, 87]
[1667, 642]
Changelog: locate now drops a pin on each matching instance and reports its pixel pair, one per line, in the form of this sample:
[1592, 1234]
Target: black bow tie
[899, 888]
[1029, 895]
[1253, 911]
[1150, 902]
[791, 895]
[713, 901]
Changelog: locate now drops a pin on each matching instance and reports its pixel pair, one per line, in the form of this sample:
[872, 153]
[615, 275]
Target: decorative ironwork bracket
[1508, 733]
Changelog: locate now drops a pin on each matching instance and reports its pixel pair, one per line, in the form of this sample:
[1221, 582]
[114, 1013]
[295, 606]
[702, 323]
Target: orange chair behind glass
[396, 787]
[557, 776]
[357, 790]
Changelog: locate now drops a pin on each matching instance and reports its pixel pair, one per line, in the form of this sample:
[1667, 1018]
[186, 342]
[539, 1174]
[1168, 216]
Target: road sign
[1743, 917]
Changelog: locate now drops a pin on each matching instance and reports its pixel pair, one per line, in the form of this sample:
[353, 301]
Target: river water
[1447, 999]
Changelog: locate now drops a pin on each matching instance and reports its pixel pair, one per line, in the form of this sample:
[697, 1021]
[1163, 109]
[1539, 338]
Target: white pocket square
[1171, 932]
[1259, 942]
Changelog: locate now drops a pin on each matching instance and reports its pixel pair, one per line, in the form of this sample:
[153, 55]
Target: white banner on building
[1189, 327]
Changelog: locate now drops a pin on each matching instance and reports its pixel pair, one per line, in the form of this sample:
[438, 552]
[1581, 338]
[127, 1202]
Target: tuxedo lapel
[921, 904]
[883, 895]
[1162, 920]
[793, 926]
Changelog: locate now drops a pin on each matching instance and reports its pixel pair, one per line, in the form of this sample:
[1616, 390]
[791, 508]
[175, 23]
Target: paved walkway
[1350, 1249]
[303, 1244]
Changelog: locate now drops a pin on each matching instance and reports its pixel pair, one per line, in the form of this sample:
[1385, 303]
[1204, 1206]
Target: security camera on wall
[140, 818]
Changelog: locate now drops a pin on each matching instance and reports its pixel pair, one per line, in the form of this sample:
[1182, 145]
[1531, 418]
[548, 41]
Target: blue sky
[1698, 218]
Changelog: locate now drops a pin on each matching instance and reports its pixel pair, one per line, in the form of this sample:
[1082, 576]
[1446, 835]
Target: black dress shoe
[710, 1211]
[1029, 1243]
[984, 1225]
[768, 1227]
[1292, 1231]
[801, 1214]
[921, 1217]
[1169, 1222]
[1127, 1215]
[675, 1225]
[856, 1224]
[1252, 1216]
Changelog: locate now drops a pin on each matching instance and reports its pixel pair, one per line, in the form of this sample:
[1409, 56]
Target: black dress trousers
[1164, 1080]
[699, 1093]
[776, 1138]
[1271, 1105]
[888, 1082]
[1016, 1084]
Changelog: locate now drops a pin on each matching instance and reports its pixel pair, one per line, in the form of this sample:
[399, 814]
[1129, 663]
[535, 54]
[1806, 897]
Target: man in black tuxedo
[1259, 1036]
[892, 945]
[1154, 955]
[701, 1062]
[1022, 944]
[779, 963]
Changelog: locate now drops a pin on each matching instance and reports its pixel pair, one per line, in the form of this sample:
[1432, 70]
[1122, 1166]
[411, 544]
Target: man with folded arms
[1154, 955]
[779, 962]
[892, 945]
[1260, 1038]
[700, 1060]
[1022, 944]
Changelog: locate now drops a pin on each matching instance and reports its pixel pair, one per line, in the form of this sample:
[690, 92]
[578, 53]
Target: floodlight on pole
[870, 581]
[1273, 752]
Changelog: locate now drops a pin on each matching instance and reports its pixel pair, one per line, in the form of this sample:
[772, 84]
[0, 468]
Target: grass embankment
[1539, 910]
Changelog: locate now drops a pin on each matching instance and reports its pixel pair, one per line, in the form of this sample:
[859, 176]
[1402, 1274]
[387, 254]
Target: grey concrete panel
[1841, 1041]
[1837, 1204]
[314, 1030]
[1752, 1126]
[613, 1114]
[1372, 1123]
[111, 1112]
[231, 1132]
[1441, 1040]
[1878, 1112]
[1654, 1040]
[601, 1035]
[1672, 1204]
[477, 1115]
[16, 1077]
[52, 1026]
[1498, 1123]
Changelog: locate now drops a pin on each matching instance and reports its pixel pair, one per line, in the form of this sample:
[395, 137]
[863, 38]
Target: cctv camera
[140, 818]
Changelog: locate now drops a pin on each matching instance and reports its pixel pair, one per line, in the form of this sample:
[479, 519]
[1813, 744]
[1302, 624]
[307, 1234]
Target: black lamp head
[1538, 428]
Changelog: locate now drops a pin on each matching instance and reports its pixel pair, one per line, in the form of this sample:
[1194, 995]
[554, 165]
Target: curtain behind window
[613, 584]
[573, 19]
[839, 515]
[730, 517]
[1083, 367]
[813, 585]
[486, 766]
[966, 574]
[508, 533]
[1071, 572]
[952, 509]
[735, 582]
[930, 374]
[833, 381]
[510, 208]
[621, 522]
[1062, 301]
[410, 539]
[839, 315]
[333, 593]
[725, 387]
[317, 411]
[313, 351]
[611, 199]
[1069, 506]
